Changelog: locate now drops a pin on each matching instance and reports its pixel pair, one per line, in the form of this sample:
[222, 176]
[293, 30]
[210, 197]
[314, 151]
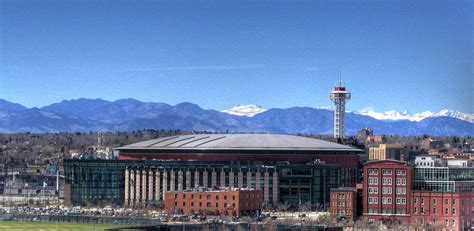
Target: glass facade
[103, 181]
[444, 179]
[97, 182]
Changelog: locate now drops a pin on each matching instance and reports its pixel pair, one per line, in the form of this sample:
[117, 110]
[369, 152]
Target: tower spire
[339, 96]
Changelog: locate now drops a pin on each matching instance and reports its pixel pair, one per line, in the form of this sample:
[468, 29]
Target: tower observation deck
[339, 96]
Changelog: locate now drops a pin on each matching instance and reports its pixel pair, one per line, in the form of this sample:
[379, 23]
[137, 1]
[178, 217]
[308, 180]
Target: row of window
[208, 204]
[435, 201]
[217, 196]
[446, 211]
[385, 190]
[375, 210]
[342, 196]
[341, 203]
[386, 181]
[446, 221]
[399, 172]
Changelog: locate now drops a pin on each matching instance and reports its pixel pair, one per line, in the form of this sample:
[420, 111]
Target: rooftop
[239, 141]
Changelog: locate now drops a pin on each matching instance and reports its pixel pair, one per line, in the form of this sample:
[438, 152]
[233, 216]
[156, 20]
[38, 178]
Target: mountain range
[130, 114]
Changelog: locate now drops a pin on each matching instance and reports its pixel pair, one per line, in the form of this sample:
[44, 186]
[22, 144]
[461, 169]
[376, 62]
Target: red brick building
[232, 202]
[343, 204]
[451, 210]
[386, 192]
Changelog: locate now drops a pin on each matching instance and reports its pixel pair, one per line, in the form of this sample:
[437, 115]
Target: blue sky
[401, 55]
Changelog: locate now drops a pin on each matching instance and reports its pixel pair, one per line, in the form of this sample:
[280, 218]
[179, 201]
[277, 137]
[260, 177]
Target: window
[386, 200]
[415, 200]
[454, 201]
[402, 191]
[454, 211]
[422, 201]
[422, 210]
[200, 204]
[192, 196]
[217, 204]
[184, 203]
[414, 210]
[386, 190]
[373, 180]
[386, 181]
[225, 205]
[175, 203]
[446, 201]
[387, 171]
[208, 197]
[208, 204]
[401, 201]
[434, 201]
[200, 196]
[175, 196]
[401, 181]
[217, 197]
[233, 198]
[225, 197]
[434, 210]
[446, 211]
[184, 196]
[192, 203]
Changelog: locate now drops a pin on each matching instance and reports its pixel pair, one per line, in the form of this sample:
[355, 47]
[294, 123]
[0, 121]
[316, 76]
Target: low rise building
[229, 201]
[388, 151]
[343, 204]
[450, 210]
[386, 192]
[428, 161]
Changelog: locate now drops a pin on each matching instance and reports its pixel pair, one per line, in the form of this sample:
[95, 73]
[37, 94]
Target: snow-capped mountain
[249, 110]
[395, 115]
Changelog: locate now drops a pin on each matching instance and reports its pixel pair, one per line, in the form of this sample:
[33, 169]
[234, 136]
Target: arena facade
[288, 169]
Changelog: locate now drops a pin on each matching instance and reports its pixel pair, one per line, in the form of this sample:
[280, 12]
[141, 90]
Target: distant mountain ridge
[130, 114]
[395, 115]
[253, 109]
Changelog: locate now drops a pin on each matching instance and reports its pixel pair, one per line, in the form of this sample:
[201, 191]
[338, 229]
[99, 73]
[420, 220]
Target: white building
[428, 161]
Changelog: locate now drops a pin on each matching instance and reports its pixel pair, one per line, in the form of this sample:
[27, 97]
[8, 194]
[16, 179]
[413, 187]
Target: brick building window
[446, 211]
[434, 201]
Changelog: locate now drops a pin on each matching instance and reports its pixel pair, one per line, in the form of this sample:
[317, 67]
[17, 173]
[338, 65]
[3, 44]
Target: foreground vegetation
[46, 226]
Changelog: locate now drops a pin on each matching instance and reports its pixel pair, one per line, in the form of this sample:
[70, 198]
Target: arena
[288, 169]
